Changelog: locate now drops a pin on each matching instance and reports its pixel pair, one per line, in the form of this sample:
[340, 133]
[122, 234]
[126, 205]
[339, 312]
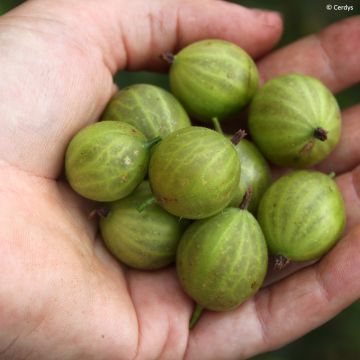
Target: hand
[61, 295]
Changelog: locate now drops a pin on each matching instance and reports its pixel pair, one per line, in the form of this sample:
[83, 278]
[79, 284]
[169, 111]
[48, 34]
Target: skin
[61, 295]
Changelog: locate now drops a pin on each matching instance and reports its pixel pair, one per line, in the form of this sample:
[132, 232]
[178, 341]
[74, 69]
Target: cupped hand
[61, 295]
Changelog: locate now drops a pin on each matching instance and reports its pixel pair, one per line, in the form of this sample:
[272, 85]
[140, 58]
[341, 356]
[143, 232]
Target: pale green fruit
[302, 215]
[213, 78]
[222, 261]
[143, 240]
[295, 120]
[107, 160]
[152, 110]
[194, 172]
[255, 174]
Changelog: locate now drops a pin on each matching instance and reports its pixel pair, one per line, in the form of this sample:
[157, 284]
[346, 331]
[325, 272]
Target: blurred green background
[339, 339]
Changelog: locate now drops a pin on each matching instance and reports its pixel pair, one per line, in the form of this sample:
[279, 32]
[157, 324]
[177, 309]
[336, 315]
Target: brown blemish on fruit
[253, 285]
[307, 148]
[124, 177]
[164, 200]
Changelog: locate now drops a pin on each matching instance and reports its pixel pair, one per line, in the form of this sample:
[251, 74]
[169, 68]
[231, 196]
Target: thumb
[132, 34]
[64, 53]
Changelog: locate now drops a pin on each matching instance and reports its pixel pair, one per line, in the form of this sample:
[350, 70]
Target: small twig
[281, 262]
[99, 212]
[168, 57]
[217, 125]
[150, 143]
[238, 136]
[151, 200]
[196, 315]
[246, 199]
[320, 133]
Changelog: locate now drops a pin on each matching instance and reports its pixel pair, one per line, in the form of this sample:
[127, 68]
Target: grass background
[338, 339]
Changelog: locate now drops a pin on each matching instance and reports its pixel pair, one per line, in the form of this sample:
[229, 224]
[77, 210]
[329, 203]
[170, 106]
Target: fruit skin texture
[107, 160]
[194, 172]
[213, 78]
[302, 215]
[152, 110]
[146, 240]
[222, 261]
[255, 173]
[284, 115]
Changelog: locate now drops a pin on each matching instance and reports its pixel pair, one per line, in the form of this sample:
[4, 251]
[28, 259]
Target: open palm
[62, 296]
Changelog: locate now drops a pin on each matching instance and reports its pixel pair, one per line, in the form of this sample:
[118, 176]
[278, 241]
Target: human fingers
[346, 154]
[59, 57]
[332, 56]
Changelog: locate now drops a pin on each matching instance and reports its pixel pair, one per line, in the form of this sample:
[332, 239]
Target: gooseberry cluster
[169, 191]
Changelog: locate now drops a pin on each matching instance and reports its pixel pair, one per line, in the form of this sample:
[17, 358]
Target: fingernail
[268, 17]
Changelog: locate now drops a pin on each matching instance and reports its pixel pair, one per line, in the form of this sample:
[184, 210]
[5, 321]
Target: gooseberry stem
[152, 142]
[281, 262]
[246, 199]
[195, 316]
[151, 200]
[238, 136]
[168, 57]
[217, 125]
[320, 133]
[332, 174]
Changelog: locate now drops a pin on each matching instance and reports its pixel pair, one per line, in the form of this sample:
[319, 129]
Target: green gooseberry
[213, 78]
[146, 240]
[194, 172]
[152, 110]
[107, 160]
[255, 174]
[295, 120]
[222, 261]
[302, 215]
